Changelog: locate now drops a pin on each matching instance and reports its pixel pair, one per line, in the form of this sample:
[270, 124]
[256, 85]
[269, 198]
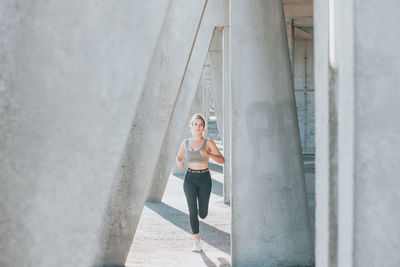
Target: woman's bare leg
[197, 237]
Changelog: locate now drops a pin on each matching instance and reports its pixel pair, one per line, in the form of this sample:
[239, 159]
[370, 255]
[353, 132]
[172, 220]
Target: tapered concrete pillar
[270, 224]
[149, 128]
[227, 115]
[216, 67]
[67, 100]
[187, 103]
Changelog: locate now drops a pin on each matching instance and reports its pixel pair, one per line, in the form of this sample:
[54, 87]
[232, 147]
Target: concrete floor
[164, 238]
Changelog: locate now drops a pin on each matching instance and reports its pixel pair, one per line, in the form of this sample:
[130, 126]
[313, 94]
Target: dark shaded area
[210, 263]
[207, 260]
[215, 167]
[224, 262]
[309, 163]
[307, 29]
[209, 234]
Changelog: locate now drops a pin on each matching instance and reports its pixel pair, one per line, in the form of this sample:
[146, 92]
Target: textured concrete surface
[71, 76]
[164, 238]
[357, 135]
[368, 133]
[268, 186]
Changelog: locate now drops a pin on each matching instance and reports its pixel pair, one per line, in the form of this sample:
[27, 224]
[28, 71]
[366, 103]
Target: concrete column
[322, 159]
[368, 64]
[216, 66]
[214, 14]
[269, 206]
[149, 129]
[326, 123]
[227, 115]
[206, 94]
[67, 98]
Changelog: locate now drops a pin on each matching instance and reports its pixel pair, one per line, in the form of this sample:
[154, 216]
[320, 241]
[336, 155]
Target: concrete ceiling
[301, 11]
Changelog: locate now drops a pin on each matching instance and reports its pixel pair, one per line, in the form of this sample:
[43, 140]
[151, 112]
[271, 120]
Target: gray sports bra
[195, 156]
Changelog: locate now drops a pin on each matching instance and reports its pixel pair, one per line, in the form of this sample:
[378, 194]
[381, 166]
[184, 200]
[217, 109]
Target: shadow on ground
[210, 263]
[211, 235]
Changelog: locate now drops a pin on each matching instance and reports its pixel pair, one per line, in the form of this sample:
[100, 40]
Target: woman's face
[197, 126]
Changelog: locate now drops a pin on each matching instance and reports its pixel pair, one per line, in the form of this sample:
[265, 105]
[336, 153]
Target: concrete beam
[268, 187]
[298, 10]
[149, 129]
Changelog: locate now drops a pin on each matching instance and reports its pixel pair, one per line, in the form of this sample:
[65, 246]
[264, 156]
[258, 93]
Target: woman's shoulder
[185, 141]
[210, 141]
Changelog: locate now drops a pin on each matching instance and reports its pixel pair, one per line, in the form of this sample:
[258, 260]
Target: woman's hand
[181, 165]
[204, 153]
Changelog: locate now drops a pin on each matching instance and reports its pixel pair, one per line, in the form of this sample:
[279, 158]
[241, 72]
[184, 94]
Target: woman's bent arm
[214, 153]
[181, 154]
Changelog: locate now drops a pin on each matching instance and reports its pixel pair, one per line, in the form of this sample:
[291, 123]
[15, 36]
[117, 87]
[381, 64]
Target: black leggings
[197, 185]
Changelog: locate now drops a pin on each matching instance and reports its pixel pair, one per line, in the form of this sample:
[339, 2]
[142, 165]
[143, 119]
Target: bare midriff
[197, 166]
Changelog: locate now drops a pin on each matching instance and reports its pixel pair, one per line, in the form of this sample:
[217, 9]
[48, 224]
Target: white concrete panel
[346, 128]
[324, 163]
[376, 62]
